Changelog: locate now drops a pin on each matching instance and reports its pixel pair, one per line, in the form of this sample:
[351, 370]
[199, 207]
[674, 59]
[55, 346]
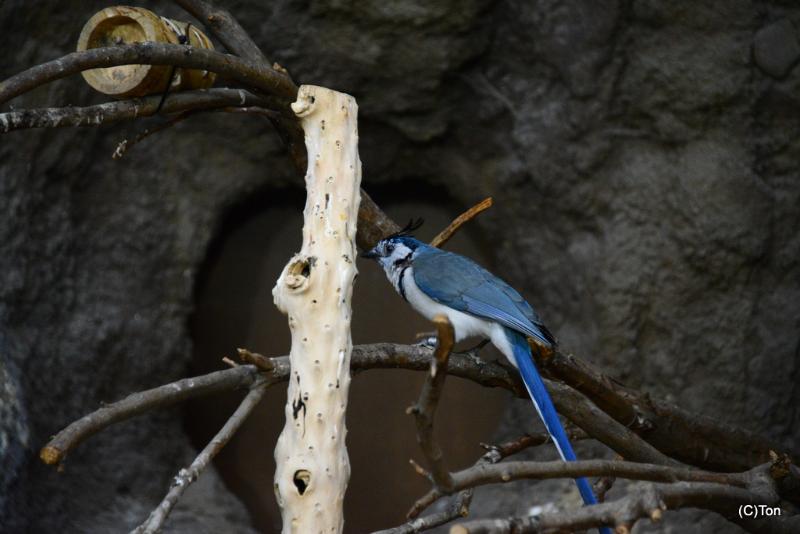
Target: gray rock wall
[643, 157]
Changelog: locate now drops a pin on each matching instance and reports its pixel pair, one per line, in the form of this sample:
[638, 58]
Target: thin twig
[142, 402]
[253, 110]
[225, 28]
[121, 110]
[504, 450]
[262, 362]
[492, 455]
[425, 408]
[230, 363]
[248, 73]
[186, 476]
[445, 235]
[458, 508]
[126, 144]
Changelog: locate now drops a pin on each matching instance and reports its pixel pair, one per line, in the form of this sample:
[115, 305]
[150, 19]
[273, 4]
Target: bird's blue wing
[462, 284]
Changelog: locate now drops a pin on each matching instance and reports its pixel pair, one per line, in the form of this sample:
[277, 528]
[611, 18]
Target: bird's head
[395, 250]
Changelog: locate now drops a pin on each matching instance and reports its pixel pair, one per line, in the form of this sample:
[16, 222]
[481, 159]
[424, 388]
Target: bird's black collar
[403, 263]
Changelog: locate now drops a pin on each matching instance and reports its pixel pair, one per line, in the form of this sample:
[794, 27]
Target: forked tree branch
[460, 507]
[186, 477]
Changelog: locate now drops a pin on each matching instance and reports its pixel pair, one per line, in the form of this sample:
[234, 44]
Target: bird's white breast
[464, 325]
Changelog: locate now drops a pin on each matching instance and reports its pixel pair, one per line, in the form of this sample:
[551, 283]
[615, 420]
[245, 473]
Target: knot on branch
[304, 105]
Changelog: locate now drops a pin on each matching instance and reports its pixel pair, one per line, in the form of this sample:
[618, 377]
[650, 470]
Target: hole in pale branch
[302, 479]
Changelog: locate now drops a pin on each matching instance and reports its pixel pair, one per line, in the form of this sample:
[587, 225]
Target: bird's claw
[427, 340]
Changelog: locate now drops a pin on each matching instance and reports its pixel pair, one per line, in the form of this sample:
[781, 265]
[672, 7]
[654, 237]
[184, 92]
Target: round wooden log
[125, 25]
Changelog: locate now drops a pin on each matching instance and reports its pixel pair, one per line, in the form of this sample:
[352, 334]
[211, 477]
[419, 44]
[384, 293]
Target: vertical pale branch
[314, 291]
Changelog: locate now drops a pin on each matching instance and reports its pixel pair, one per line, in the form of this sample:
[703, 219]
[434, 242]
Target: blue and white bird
[477, 303]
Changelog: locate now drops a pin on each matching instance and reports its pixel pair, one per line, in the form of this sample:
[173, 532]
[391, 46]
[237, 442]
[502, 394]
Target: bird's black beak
[370, 254]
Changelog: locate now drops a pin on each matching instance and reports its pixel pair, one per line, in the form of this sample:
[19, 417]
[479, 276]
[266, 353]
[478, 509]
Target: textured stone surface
[644, 170]
[776, 47]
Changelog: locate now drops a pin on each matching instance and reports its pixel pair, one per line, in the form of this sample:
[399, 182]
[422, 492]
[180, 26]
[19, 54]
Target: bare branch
[649, 501]
[705, 442]
[458, 508]
[142, 402]
[186, 476]
[225, 28]
[504, 450]
[373, 223]
[492, 455]
[112, 112]
[425, 408]
[262, 362]
[483, 473]
[603, 427]
[126, 144]
[444, 236]
[377, 356]
[254, 75]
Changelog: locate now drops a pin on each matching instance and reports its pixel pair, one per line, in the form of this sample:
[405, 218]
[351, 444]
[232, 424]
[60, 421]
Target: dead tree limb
[378, 356]
[250, 74]
[225, 28]
[121, 110]
[142, 402]
[314, 291]
[425, 408]
[186, 477]
[460, 507]
[650, 501]
[705, 442]
[375, 356]
[484, 473]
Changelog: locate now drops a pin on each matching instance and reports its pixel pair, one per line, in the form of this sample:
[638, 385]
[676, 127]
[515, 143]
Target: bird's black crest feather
[408, 229]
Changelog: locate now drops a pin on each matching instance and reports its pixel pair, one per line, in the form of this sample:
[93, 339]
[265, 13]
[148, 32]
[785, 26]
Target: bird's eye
[389, 248]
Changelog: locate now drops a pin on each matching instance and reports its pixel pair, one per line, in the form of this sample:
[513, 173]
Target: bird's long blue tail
[543, 404]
